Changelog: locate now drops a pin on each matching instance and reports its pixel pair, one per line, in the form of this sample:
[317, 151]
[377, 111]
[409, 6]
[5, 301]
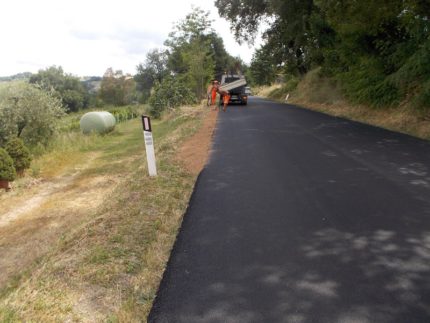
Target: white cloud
[87, 36]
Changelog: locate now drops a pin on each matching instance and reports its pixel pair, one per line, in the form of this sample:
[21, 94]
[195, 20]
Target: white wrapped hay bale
[99, 122]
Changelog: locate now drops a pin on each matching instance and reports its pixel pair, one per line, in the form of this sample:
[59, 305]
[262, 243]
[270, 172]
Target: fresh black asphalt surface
[303, 217]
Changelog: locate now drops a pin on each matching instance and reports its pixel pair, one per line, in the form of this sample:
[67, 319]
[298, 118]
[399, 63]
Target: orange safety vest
[213, 96]
[226, 98]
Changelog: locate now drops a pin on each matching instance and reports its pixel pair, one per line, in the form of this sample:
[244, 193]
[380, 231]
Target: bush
[366, 83]
[28, 112]
[19, 154]
[170, 94]
[7, 171]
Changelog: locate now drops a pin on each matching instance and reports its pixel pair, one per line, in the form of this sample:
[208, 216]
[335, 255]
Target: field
[87, 237]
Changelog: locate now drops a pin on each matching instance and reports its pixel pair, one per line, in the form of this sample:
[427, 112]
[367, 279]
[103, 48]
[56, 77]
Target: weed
[8, 315]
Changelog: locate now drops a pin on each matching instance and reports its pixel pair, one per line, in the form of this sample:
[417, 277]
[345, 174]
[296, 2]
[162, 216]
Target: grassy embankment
[103, 263]
[321, 94]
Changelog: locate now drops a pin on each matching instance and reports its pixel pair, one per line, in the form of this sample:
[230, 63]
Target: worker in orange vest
[224, 96]
[226, 99]
[214, 91]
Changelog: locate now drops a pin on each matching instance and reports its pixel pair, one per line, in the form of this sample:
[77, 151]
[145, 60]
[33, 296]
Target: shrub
[169, 94]
[19, 154]
[7, 171]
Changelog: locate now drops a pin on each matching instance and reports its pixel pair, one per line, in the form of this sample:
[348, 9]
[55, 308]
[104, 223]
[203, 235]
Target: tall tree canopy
[197, 53]
[379, 50]
[67, 87]
[116, 88]
[194, 55]
[153, 70]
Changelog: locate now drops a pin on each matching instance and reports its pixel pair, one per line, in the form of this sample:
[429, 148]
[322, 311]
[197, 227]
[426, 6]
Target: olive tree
[19, 153]
[28, 112]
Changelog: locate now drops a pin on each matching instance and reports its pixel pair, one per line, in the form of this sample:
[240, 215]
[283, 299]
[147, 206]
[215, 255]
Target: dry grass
[397, 119]
[104, 263]
[324, 95]
[265, 91]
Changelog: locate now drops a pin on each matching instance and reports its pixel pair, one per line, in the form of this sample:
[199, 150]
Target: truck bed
[233, 85]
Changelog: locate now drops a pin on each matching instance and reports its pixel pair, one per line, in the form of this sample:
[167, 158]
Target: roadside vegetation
[40, 108]
[325, 95]
[365, 60]
[109, 242]
[85, 234]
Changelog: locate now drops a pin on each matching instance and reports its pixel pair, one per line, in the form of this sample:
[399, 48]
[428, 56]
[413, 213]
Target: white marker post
[149, 146]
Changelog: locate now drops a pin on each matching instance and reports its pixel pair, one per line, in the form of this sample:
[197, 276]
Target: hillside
[319, 93]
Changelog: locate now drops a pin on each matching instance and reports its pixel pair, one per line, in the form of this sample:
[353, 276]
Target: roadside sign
[149, 145]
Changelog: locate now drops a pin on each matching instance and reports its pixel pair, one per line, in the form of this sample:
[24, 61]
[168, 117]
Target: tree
[190, 54]
[28, 112]
[263, 69]
[382, 50]
[154, 69]
[67, 87]
[297, 32]
[7, 171]
[117, 89]
[19, 153]
[378, 50]
[200, 67]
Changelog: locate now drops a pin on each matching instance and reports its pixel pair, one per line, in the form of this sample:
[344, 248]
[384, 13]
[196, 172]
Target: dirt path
[194, 153]
[44, 212]
[30, 204]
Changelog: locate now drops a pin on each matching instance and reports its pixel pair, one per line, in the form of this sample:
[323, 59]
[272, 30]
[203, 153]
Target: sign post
[149, 145]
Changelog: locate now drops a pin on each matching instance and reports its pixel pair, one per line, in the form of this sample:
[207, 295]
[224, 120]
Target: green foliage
[19, 154]
[191, 51]
[366, 83]
[123, 114]
[222, 60]
[263, 69]
[68, 88]
[195, 55]
[200, 67]
[296, 34]
[154, 69]
[170, 94]
[289, 86]
[7, 170]
[422, 99]
[28, 112]
[378, 50]
[117, 89]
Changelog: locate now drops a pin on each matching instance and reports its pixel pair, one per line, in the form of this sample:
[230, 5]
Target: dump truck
[235, 85]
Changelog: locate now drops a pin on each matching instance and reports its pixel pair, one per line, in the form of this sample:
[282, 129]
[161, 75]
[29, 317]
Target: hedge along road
[303, 217]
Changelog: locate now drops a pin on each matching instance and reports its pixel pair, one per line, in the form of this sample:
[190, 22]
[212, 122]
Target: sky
[85, 37]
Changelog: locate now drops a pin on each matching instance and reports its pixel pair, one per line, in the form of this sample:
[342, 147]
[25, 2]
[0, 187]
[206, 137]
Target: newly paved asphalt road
[302, 217]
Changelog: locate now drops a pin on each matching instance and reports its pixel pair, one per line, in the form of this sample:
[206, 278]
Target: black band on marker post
[146, 123]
